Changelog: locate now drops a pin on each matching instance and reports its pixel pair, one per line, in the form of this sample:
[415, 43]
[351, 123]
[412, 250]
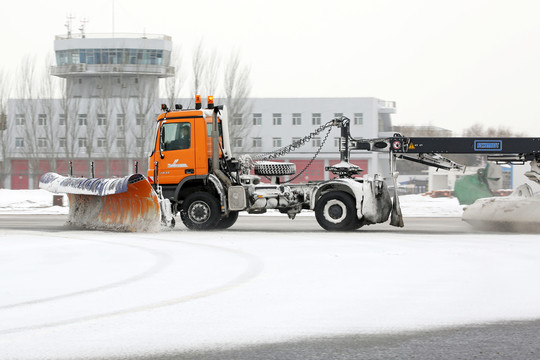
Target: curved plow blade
[122, 204]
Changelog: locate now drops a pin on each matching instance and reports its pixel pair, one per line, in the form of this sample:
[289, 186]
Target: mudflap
[376, 203]
[396, 217]
[119, 204]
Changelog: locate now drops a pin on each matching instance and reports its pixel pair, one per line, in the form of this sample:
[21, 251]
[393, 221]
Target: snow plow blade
[120, 204]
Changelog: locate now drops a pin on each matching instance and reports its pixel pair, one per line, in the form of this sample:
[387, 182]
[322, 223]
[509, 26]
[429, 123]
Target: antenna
[82, 27]
[113, 18]
[69, 20]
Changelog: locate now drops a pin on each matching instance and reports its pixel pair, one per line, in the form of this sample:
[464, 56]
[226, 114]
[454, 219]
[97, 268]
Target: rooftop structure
[118, 65]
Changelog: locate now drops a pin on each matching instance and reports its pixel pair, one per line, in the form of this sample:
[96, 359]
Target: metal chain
[312, 159]
[249, 162]
[295, 145]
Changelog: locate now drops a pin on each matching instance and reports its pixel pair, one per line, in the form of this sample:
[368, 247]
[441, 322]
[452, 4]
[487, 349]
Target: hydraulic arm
[428, 150]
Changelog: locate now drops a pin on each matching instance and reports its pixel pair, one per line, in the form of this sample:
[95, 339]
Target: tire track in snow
[162, 261]
[254, 267]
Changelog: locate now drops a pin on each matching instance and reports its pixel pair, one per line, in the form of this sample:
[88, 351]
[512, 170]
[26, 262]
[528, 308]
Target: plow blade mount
[121, 204]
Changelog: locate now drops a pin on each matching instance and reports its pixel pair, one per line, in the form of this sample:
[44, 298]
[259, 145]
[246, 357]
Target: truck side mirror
[161, 140]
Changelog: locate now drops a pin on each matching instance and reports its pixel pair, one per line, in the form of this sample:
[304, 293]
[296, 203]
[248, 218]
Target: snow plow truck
[193, 173]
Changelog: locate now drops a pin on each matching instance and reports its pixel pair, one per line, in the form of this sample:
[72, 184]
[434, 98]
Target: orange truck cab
[181, 160]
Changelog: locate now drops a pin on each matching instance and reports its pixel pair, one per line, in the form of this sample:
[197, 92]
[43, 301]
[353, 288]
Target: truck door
[178, 152]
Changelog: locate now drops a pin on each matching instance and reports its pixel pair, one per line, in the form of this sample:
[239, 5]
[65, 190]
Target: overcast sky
[445, 63]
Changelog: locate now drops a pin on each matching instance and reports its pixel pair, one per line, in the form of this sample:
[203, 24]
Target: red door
[19, 174]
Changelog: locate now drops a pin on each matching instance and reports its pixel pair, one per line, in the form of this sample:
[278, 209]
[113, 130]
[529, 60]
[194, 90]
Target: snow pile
[518, 212]
[30, 202]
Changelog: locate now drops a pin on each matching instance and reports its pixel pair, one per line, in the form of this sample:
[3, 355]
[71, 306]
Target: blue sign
[487, 145]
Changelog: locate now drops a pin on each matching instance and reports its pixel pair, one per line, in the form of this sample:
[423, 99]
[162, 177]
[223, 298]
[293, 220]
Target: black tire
[336, 211]
[200, 211]
[227, 222]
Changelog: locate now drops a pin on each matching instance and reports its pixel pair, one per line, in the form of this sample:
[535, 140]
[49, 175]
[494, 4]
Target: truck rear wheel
[227, 222]
[200, 211]
[336, 211]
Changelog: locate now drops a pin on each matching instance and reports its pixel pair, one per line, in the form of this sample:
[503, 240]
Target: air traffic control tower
[112, 65]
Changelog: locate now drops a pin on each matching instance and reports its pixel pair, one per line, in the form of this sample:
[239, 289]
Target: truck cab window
[177, 136]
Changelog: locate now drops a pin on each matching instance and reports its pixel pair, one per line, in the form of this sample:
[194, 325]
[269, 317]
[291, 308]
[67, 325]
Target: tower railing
[112, 36]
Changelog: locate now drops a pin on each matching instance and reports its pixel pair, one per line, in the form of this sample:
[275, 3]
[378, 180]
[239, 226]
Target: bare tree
[5, 128]
[87, 122]
[174, 84]
[237, 88]
[146, 106]
[68, 125]
[27, 110]
[48, 111]
[205, 69]
[105, 131]
[212, 68]
[198, 65]
[124, 122]
[479, 130]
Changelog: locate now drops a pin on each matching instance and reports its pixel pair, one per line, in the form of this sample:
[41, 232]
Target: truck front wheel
[200, 211]
[336, 211]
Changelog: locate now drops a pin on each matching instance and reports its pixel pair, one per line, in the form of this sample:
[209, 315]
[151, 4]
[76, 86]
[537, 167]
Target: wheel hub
[199, 212]
[335, 211]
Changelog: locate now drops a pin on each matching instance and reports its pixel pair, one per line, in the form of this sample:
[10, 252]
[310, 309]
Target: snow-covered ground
[40, 202]
[70, 294]
[30, 202]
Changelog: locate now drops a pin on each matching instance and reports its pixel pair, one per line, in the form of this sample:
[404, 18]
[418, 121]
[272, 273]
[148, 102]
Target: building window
[83, 142]
[140, 142]
[358, 118]
[237, 142]
[316, 119]
[139, 119]
[297, 119]
[237, 119]
[120, 120]
[20, 119]
[101, 120]
[120, 142]
[83, 119]
[337, 141]
[295, 140]
[43, 143]
[338, 115]
[276, 118]
[101, 142]
[62, 119]
[42, 119]
[276, 142]
[257, 142]
[19, 142]
[62, 142]
[257, 119]
[316, 142]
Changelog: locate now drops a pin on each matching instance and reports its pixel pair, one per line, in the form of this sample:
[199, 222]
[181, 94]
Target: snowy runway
[72, 293]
